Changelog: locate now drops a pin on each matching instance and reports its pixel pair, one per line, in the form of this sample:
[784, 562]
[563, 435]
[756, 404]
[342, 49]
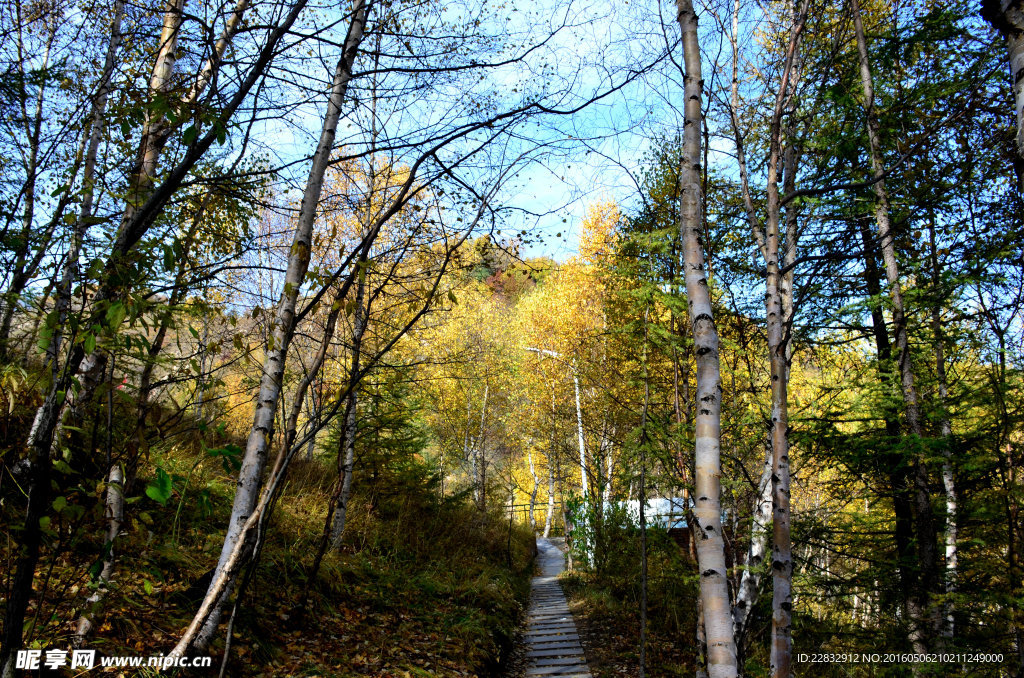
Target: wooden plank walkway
[552, 644]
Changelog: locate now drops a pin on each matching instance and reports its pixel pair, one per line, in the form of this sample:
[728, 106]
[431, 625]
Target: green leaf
[230, 457]
[59, 503]
[160, 488]
[89, 343]
[189, 135]
[115, 315]
[148, 586]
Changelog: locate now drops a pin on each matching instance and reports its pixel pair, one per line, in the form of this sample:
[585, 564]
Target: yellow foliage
[599, 232]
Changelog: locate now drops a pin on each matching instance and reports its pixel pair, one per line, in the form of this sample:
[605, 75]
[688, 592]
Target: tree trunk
[584, 484]
[292, 421]
[609, 471]
[533, 493]
[479, 459]
[779, 316]
[926, 535]
[154, 137]
[283, 328]
[779, 310]
[347, 450]
[155, 134]
[584, 519]
[115, 517]
[551, 500]
[23, 271]
[48, 414]
[750, 580]
[115, 488]
[892, 465]
[946, 430]
[139, 214]
[714, 591]
[1007, 16]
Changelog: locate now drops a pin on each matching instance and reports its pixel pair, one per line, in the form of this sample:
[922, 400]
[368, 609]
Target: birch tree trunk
[143, 206]
[282, 330]
[714, 591]
[118, 478]
[347, 450]
[48, 414]
[26, 264]
[533, 493]
[551, 500]
[115, 517]
[779, 311]
[750, 580]
[479, 460]
[1007, 16]
[583, 520]
[466, 447]
[946, 430]
[156, 133]
[154, 138]
[609, 472]
[292, 421]
[923, 617]
[584, 484]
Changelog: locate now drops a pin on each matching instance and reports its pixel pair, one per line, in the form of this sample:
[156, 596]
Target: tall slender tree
[707, 512]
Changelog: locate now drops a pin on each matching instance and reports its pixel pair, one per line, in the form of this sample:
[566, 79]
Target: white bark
[551, 499]
[584, 485]
[533, 493]
[348, 450]
[115, 517]
[750, 580]
[609, 472]
[479, 459]
[282, 330]
[155, 134]
[1008, 17]
[778, 308]
[948, 480]
[707, 513]
[583, 520]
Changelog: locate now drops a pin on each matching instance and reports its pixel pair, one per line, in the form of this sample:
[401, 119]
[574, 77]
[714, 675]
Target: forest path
[552, 644]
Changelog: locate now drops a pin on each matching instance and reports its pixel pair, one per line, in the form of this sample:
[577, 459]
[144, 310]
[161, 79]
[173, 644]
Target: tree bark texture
[1007, 16]
[282, 330]
[533, 492]
[714, 591]
[946, 430]
[750, 580]
[347, 450]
